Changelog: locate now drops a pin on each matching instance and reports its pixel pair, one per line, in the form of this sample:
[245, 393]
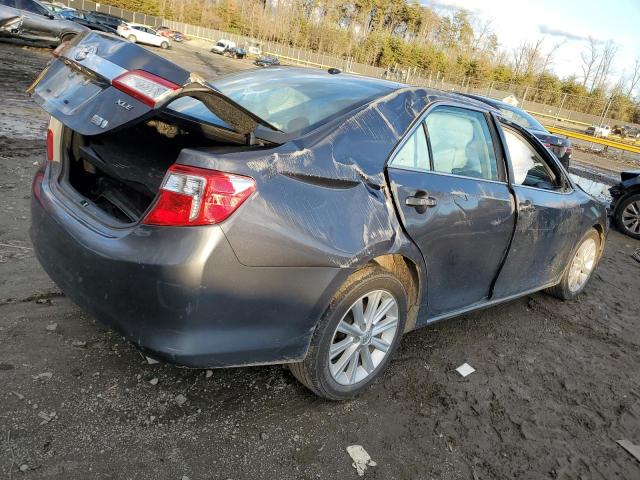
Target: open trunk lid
[81, 88]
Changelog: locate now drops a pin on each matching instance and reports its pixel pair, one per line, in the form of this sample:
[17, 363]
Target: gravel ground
[556, 385]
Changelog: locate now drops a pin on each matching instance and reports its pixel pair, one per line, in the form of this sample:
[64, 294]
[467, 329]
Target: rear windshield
[521, 117]
[289, 99]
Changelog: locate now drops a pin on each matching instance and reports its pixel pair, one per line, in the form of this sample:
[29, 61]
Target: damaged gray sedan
[290, 215]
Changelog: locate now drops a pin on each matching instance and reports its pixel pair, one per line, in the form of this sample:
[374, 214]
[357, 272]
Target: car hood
[77, 87]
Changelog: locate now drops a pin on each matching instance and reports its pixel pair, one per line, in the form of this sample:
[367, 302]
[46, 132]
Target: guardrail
[601, 141]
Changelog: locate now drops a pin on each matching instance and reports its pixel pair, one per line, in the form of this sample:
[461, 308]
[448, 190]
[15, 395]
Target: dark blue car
[291, 215]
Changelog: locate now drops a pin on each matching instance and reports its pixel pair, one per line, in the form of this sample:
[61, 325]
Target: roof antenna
[334, 71]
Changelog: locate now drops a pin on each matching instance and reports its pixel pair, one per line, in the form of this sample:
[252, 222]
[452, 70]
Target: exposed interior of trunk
[121, 172]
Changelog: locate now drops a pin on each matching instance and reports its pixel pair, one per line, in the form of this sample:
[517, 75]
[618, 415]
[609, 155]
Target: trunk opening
[121, 172]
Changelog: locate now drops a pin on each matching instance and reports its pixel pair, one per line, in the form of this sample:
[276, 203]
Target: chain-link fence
[550, 107]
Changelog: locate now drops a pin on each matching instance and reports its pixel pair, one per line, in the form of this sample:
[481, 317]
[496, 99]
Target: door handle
[420, 203]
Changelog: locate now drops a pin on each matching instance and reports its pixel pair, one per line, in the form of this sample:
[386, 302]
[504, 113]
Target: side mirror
[50, 16]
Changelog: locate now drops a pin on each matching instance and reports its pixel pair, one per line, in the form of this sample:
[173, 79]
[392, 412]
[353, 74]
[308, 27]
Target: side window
[32, 7]
[414, 153]
[8, 3]
[461, 143]
[529, 168]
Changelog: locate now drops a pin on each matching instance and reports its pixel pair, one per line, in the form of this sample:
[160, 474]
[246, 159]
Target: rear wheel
[164, 45]
[580, 268]
[627, 216]
[356, 337]
[132, 38]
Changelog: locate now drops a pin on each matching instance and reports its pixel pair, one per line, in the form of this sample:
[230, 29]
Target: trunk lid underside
[115, 148]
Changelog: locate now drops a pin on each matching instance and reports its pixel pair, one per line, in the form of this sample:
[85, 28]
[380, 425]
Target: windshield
[290, 99]
[521, 117]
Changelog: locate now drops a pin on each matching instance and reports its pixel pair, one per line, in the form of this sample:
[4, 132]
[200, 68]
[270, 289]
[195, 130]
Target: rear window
[291, 100]
[522, 118]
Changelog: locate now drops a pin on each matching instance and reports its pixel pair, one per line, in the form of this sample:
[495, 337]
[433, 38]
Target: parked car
[559, 145]
[136, 33]
[625, 205]
[598, 132]
[267, 61]
[236, 52]
[626, 131]
[172, 34]
[38, 23]
[222, 46]
[291, 215]
[253, 48]
[86, 19]
[107, 19]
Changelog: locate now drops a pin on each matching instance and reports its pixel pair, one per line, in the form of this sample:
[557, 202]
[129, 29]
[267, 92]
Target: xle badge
[125, 105]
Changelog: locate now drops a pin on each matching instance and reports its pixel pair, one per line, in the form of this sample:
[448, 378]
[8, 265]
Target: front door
[449, 184]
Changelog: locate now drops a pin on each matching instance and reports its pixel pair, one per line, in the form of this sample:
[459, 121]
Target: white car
[137, 33]
[222, 46]
[253, 48]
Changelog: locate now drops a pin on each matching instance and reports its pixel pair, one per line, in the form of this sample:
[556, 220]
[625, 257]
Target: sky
[561, 20]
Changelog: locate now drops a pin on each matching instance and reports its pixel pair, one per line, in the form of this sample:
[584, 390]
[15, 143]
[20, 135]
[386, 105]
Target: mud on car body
[311, 222]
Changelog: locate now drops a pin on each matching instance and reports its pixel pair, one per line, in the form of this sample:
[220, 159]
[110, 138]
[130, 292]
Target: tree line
[401, 35]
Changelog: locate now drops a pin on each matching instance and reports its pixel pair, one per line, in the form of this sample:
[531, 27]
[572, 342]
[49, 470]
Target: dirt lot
[557, 383]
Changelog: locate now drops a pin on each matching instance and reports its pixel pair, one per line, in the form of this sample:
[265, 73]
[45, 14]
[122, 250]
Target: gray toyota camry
[291, 216]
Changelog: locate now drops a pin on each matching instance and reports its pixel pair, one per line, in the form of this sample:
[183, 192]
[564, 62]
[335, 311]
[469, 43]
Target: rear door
[545, 232]
[449, 183]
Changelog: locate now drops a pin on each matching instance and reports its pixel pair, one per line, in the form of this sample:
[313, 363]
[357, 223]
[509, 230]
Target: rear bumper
[180, 294]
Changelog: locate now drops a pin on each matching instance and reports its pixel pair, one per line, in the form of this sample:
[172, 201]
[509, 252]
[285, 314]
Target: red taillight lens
[197, 196]
[50, 145]
[146, 87]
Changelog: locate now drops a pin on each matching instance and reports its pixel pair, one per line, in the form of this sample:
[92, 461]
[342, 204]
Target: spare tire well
[406, 271]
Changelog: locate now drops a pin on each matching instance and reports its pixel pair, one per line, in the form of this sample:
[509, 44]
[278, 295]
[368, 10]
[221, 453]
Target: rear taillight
[197, 196]
[146, 87]
[50, 145]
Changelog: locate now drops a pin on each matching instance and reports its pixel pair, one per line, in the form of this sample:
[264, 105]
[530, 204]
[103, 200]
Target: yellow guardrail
[555, 117]
[592, 139]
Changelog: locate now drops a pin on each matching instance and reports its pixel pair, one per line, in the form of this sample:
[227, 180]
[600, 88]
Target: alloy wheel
[582, 265]
[363, 337]
[631, 217]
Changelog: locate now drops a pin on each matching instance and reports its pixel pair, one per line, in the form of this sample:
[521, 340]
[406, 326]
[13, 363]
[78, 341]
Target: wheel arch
[407, 271]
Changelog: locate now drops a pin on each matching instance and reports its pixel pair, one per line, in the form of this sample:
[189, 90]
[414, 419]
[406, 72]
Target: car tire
[626, 209]
[582, 263]
[164, 45]
[132, 38]
[324, 375]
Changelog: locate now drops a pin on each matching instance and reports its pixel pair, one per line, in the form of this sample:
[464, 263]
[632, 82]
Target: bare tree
[635, 77]
[548, 58]
[603, 69]
[589, 60]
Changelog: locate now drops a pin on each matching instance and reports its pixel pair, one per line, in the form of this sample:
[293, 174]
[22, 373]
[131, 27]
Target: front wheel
[627, 216]
[356, 336]
[164, 45]
[580, 268]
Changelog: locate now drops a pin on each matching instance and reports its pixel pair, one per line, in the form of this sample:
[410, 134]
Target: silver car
[38, 23]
